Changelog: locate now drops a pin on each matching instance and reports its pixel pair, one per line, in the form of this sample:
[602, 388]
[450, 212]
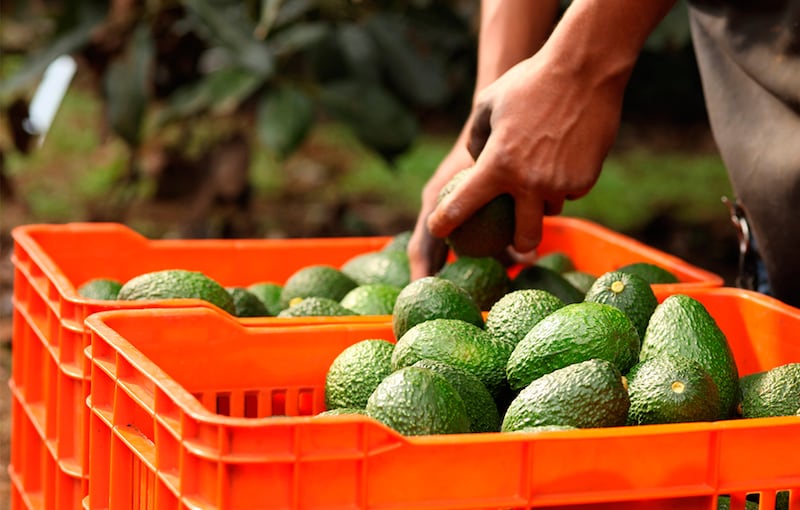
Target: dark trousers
[749, 59]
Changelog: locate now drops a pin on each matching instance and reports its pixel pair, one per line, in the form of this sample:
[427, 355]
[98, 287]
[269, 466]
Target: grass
[75, 167]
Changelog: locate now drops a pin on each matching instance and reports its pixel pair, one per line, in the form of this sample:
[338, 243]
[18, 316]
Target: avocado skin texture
[460, 344]
[177, 284]
[581, 280]
[398, 242]
[582, 395]
[481, 407]
[681, 325]
[389, 267]
[652, 273]
[100, 288]
[489, 231]
[270, 294]
[558, 261]
[246, 303]
[514, 314]
[417, 401]
[773, 392]
[630, 293]
[318, 280]
[484, 278]
[315, 306]
[432, 297]
[371, 299]
[343, 411]
[540, 277]
[355, 373]
[574, 333]
[671, 389]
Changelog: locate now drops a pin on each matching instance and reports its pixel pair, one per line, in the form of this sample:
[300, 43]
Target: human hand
[426, 253]
[539, 133]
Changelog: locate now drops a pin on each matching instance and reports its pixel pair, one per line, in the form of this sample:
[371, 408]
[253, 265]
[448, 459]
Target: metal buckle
[747, 277]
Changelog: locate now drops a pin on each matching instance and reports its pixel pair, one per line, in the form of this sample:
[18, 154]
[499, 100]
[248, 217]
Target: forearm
[511, 31]
[601, 39]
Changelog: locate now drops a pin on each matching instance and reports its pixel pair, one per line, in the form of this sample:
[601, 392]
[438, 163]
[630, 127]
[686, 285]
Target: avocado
[587, 394]
[356, 372]
[573, 333]
[398, 242]
[628, 292]
[484, 278]
[557, 261]
[651, 273]
[489, 231]
[581, 280]
[681, 325]
[540, 277]
[432, 297]
[270, 294]
[514, 314]
[773, 392]
[100, 288]
[545, 428]
[315, 306]
[318, 280]
[671, 389]
[246, 303]
[417, 401]
[177, 284]
[457, 343]
[342, 411]
[481, 407]
[390, 267]
[371, 299]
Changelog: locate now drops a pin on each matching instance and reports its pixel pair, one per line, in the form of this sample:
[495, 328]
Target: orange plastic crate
[191, 409]
[50, 377]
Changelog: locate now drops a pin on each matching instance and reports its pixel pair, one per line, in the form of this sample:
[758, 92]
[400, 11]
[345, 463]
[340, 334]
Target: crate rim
[23, 236]
[706, 278]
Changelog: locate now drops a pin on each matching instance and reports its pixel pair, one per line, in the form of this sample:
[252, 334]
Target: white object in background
[48, 96]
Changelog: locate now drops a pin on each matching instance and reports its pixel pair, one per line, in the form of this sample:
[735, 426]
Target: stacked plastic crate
[104, 418]
[50, 375]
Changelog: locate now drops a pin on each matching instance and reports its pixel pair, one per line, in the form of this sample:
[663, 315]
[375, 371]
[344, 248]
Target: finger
[480, 130]
[426, 254]
[528, 216]
[553, 207]
[475, 191]
[525, 259]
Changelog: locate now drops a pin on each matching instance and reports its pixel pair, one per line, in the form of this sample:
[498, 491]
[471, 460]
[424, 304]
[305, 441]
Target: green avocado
[681, 325]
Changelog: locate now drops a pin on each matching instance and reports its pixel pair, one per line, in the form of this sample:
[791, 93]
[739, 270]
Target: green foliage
[673, 31]
[285, 116]
[636, 186]
[24, 79]
[290, 72]
[373, 69]
[126, 83]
